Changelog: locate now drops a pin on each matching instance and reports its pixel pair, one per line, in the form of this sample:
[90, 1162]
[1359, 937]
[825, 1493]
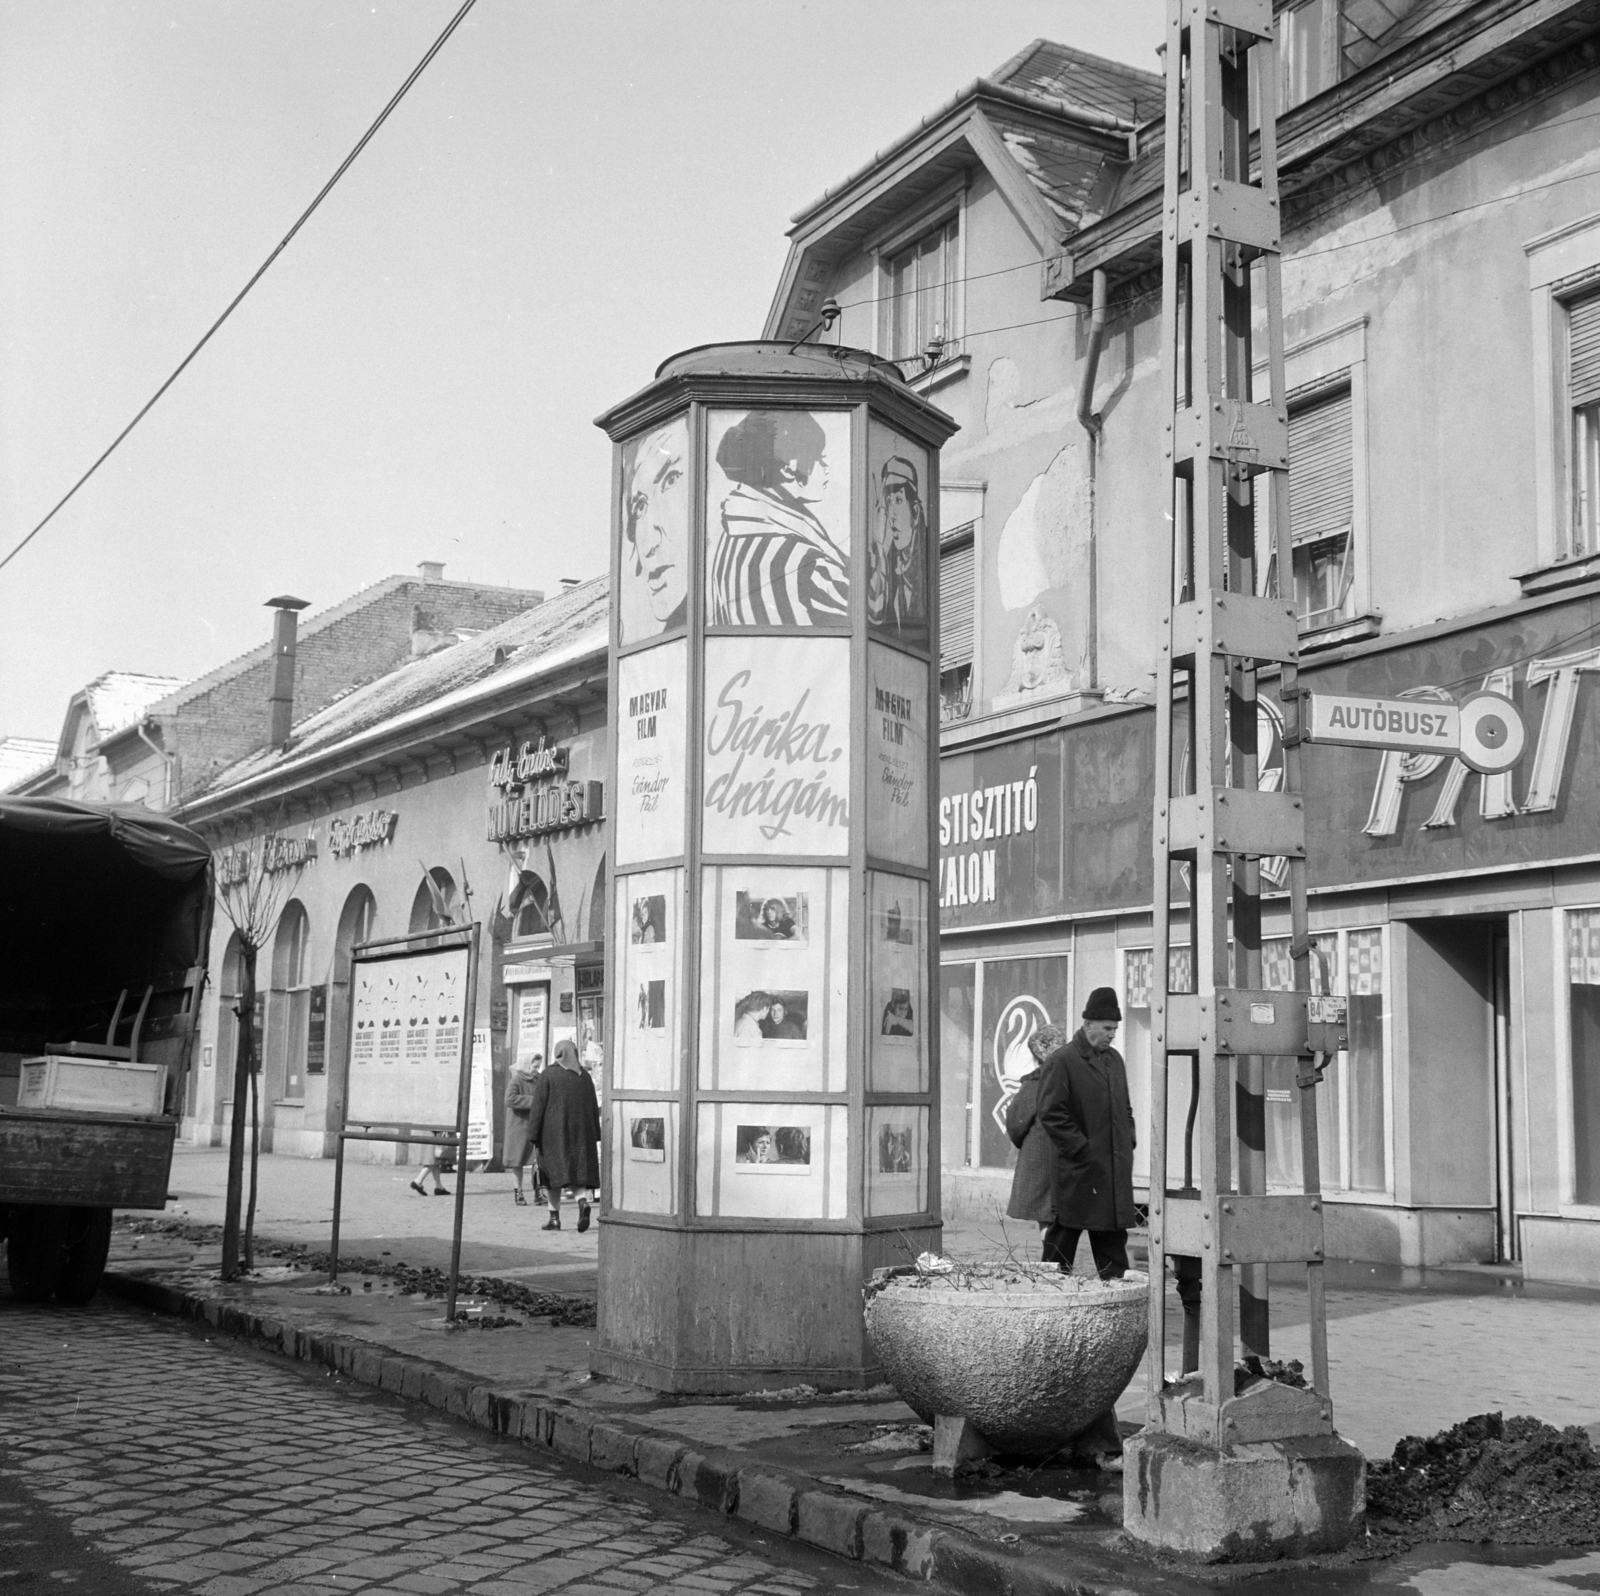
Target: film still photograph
[770, 1016]
[648, 923]
[898, 1018]
[772, 919]
[647, 1139]
[774, 1149]
[652, 1006]
[896, 1149]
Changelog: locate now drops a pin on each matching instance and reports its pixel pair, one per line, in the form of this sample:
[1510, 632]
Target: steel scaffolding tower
[1232, 614]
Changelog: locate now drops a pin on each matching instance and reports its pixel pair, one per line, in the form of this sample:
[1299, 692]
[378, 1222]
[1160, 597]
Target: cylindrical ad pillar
[772, 1077]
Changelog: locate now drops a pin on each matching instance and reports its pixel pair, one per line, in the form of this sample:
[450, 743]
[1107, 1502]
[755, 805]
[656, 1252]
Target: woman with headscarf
[517, 1148]
[564, 1125]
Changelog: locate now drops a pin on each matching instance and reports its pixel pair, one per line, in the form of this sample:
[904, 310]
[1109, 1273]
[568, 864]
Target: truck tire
[36, 1252]
[88, 1242]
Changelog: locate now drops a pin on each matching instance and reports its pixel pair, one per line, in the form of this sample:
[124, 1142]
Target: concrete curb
[722, 1480]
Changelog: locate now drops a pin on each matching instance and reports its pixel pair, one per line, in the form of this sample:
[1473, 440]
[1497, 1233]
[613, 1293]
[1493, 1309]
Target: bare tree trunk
[243, 1054]
[255, 1150]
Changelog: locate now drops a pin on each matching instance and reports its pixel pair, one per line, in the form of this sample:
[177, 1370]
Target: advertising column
[770, 1135]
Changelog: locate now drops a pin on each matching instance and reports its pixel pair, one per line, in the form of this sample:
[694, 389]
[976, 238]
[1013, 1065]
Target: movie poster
[778, 518]
[772, 978]
[777, 746]
[897, 1160]
[897, 756]
[648, 966]
[644, 1156]
[653, 522]
[900, 540]
[652, 747]
[771, 1160]
[897, 983]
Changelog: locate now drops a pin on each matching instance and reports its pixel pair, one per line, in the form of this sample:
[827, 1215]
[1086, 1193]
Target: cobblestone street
[199, 1466]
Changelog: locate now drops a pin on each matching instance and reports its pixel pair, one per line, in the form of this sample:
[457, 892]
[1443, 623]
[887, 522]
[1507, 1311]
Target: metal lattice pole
[1226, 443]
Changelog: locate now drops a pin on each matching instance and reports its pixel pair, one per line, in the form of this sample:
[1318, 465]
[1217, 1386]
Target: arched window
[291, 1001]
[356, 921]
[531, 906]
[597, 904]
[434, 906]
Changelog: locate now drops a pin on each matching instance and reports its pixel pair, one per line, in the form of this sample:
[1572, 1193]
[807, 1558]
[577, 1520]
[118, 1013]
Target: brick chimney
[280, 701]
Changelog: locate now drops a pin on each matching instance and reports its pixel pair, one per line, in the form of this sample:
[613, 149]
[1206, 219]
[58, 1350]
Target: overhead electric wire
[256, 276]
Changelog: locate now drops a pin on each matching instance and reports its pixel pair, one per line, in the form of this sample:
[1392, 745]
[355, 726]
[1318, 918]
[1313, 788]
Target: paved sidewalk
[1411, 1353]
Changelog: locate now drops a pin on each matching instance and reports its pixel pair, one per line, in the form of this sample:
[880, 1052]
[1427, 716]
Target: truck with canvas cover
[105, 919]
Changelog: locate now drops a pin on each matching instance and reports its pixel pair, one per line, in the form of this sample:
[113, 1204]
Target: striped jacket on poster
[775, 565]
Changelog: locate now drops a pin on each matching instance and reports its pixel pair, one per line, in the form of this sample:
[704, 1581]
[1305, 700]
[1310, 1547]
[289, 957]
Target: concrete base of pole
[1261, 1500]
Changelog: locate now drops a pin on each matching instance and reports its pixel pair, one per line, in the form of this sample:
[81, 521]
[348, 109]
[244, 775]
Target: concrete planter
[1028, 1356]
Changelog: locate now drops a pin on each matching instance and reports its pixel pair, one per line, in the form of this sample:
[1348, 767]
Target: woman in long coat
[517, 1148]
[564, 1125]
[1034, 1179]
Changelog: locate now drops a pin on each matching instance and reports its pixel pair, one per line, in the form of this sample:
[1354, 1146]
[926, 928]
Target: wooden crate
[87, 1160]
[90, 1085]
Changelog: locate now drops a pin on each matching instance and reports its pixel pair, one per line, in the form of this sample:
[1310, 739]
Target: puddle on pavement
[1444, 1570]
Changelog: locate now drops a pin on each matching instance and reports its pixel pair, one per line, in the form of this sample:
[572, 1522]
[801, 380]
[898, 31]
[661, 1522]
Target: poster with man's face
[653, 584]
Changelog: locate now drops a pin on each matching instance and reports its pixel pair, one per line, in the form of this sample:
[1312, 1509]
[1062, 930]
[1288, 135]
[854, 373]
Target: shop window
[957, 609]
[434, 906]
[1353, 1098]
[1018, 998]
[291, 993]
[924, 298]
[1583, 400]
[1583, 976]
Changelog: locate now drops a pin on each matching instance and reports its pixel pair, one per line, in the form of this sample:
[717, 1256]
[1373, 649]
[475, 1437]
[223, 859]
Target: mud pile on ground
[1513, 1481]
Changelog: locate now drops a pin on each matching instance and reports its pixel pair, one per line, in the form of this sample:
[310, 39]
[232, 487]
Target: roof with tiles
[119, 698]
[309, 626]
[1077, 78]
[572, 618]
[23, 756]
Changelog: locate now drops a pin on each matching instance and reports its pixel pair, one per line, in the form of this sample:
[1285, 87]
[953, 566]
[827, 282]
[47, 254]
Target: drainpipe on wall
[1091, 423]
[168, 759]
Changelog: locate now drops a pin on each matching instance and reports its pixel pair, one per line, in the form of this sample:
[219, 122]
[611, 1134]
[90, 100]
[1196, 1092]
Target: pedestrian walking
[1034, 1179]
[517, 1148]
[430, 1168]
[564, 1127]
[1085, 1111]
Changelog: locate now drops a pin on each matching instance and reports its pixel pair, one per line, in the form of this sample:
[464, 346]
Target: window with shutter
[1583, 393]
[1321, 507]
[957, 599]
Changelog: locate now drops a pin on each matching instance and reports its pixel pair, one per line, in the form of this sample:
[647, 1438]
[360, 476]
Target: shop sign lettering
[345, 837]
[1006, 810]
[288, 853]
[510, 768]
[1558, 676]
[558, 806]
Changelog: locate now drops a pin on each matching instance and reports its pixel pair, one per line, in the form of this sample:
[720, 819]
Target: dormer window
[924, 292]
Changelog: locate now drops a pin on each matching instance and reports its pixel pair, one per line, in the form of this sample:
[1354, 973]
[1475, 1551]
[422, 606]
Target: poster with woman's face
[900, 538]
[778, 518]
[653, 585]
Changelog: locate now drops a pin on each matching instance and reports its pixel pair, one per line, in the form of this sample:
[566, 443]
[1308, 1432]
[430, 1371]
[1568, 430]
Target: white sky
[573, 191]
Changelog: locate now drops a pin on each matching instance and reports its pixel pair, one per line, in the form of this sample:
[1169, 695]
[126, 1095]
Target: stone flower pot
[1027, 1355]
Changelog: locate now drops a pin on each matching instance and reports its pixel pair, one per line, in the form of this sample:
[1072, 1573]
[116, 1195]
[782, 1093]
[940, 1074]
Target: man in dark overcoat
[1085, 1111]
